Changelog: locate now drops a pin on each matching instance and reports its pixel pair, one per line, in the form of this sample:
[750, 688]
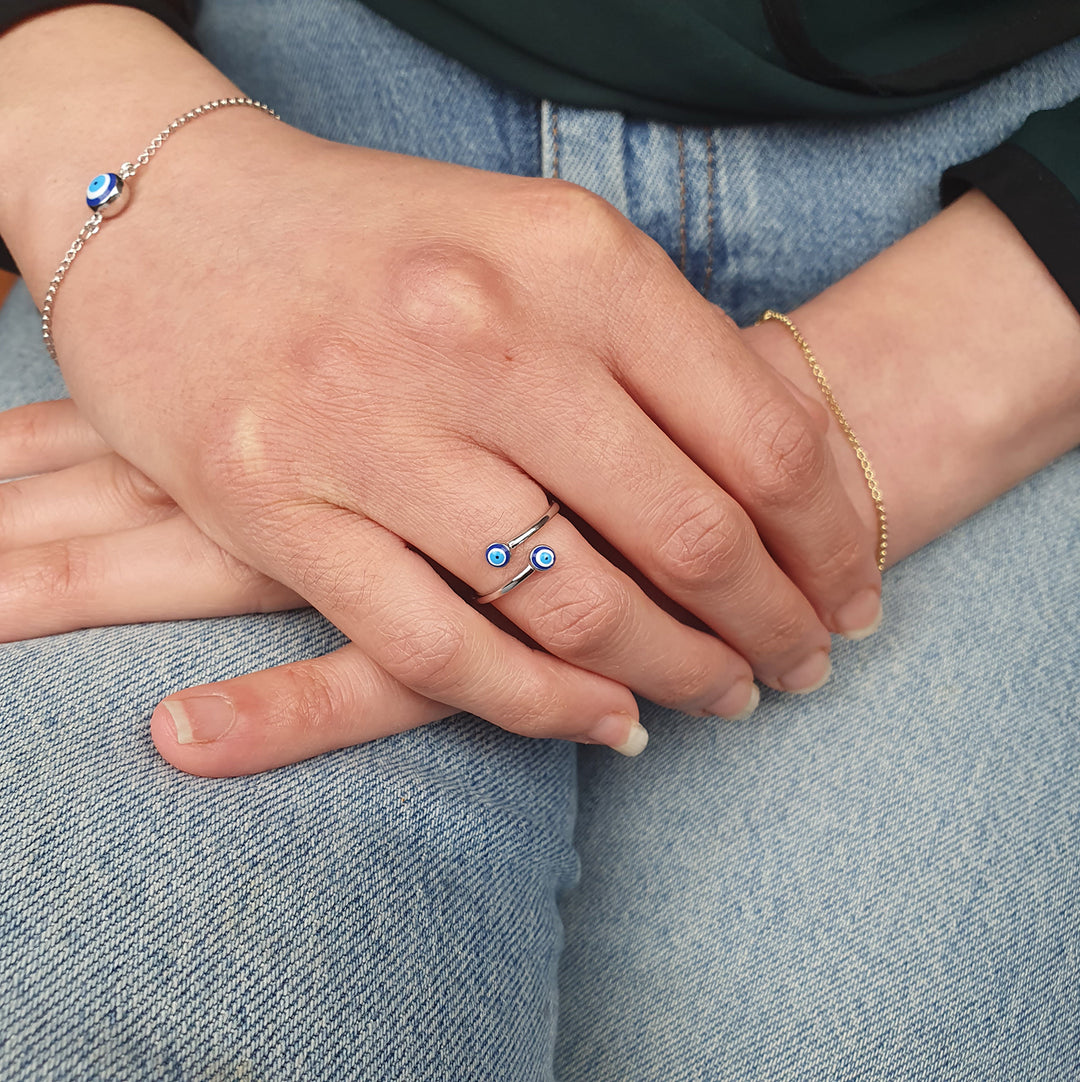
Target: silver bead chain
[126, 172]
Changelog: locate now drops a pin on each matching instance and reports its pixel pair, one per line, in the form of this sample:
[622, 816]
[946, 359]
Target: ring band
[540, 559]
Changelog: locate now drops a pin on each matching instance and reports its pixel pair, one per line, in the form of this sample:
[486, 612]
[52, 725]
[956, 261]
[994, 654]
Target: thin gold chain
[860, 454]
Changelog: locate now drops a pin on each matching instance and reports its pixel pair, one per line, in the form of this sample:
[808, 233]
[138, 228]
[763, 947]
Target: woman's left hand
[87, 540]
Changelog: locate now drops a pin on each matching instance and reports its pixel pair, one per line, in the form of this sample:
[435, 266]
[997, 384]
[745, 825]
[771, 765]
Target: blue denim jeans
[881, 880]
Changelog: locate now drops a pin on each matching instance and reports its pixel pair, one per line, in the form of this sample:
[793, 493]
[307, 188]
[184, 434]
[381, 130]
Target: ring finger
[582, 609]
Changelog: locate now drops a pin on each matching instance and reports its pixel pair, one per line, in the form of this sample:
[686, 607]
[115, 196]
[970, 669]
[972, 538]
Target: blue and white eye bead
[106, 194]
[497, 555]
[542, 557]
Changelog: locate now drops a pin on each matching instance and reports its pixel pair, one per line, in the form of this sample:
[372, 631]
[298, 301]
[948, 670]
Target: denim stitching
[554, 140]
[710, 169]
[682, 200]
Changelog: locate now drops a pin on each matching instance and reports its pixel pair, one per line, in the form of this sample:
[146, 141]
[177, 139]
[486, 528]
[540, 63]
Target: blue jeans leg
[386, 912]
[881, 880]
[878, 882]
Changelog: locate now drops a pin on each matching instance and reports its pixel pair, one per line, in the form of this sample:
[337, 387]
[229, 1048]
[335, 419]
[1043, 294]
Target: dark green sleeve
[1034, 177]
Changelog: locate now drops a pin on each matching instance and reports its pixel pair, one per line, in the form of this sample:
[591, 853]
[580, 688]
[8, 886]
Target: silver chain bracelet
[108, 194]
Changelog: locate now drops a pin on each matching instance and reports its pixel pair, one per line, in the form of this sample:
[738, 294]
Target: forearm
[956, 358]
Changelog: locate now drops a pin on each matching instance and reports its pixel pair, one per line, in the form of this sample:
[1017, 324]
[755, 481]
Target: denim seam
[555, 141]
[682, 199]
[710, 224]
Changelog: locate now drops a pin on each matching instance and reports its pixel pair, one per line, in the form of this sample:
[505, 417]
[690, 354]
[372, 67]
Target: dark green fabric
[709, 61]
[724, 61]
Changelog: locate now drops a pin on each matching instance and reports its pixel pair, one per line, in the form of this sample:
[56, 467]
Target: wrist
[52, 144]
[956, 358]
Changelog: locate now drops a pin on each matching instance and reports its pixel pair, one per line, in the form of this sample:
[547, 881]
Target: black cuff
[6, 262]
[1042, 208]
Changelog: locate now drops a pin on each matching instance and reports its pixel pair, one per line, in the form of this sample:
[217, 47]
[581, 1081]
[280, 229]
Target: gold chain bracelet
[864, 462]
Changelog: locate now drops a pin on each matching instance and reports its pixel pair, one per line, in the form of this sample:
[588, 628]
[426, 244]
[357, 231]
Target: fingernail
[200, 719]
[737, 703]
[809, 674]
[621, 733]
[861, 616]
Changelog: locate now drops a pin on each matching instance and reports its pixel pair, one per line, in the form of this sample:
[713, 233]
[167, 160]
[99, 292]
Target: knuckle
[560, 205]
[537, 711]
[581, 617]
[244, 460]
[689, 682]
[782, 633]
[56, 572]
[594, 239]
[846, 559]
[28, 426]
[448, 294]
[308, 702]
[789, 457]
[426, 652]
[710, 542]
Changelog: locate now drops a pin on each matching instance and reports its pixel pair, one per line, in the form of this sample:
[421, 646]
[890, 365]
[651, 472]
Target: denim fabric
[878, 881]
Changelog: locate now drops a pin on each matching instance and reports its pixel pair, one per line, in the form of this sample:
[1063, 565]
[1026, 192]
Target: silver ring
[540, 559]
[498, 554]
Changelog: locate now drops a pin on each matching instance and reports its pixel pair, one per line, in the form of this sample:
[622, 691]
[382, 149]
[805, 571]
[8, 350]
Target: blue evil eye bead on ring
[106, 194]
[497, 555]
[542, 557]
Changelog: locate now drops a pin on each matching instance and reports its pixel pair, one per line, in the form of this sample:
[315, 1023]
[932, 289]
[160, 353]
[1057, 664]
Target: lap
[880, 880]
[388, 911]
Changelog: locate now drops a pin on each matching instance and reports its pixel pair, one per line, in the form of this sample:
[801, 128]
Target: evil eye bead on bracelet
[107, 194]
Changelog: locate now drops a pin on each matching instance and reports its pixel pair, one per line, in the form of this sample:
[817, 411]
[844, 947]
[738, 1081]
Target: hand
[481, 340]
[88, 541]
[452, 353]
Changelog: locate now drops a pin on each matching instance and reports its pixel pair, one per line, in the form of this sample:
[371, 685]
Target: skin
[459, 345]
[478, 320]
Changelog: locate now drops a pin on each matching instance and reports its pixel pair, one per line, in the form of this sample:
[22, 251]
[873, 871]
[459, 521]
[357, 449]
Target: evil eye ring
[540, 559]
[498, 555]
[106, 194]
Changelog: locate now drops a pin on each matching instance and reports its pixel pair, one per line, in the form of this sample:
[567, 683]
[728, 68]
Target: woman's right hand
[361, 355]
